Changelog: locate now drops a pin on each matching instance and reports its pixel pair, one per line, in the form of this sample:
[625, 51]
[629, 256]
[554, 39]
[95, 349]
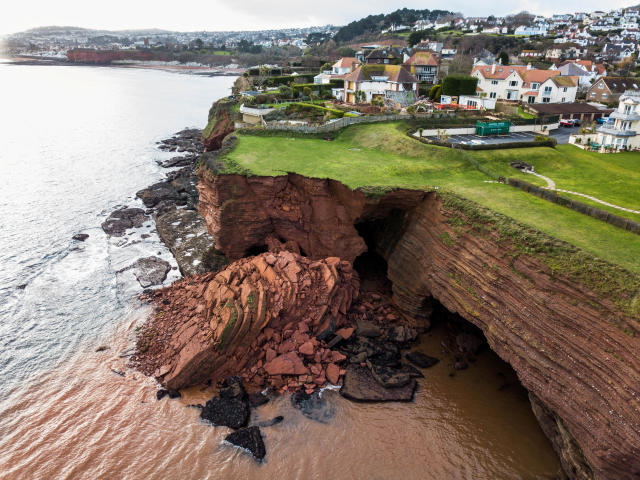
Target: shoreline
[192, 70]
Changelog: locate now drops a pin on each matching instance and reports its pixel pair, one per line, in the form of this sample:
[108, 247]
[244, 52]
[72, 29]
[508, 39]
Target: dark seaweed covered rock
[231, 408]
[249, 439]
[360, 385]
[421, 360]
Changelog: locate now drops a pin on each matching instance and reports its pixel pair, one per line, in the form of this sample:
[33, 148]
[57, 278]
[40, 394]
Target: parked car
[569, 122]
[604, 120]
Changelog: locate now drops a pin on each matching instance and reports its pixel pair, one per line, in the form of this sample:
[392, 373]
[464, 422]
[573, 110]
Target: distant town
[576, 66]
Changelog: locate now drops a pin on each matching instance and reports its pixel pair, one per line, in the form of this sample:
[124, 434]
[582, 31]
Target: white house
[524, 83]
[537, 30]
[624, 132]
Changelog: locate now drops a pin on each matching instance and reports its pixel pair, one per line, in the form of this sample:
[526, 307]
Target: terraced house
[524, 83]
[380, 81]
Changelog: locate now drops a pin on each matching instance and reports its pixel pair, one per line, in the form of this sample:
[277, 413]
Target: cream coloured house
[623, 133]
[524, 83]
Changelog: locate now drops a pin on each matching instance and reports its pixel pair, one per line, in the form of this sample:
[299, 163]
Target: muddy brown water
[84, 421]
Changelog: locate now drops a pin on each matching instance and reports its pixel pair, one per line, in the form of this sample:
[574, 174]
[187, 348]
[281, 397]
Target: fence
[340, 123]
[550, 195]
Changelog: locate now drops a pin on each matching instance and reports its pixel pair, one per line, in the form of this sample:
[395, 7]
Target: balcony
[617, 132]
[631, 117]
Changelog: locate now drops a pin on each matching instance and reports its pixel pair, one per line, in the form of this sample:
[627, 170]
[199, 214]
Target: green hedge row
[459, 85]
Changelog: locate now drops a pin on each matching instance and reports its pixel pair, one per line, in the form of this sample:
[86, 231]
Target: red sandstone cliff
[87, 55]
[567, 344]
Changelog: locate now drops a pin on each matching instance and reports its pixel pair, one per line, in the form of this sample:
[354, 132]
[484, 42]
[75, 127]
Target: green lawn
[613, 178]
[382, 155]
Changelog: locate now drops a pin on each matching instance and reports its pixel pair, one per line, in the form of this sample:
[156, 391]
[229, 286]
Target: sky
[194, 15]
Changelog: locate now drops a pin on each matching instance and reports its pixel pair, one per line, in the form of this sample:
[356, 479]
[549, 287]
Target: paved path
[551, 185]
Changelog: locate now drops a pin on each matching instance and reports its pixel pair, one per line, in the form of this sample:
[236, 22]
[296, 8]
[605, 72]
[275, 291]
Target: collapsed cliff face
[209, 326]
[317, 215]
[564, 341]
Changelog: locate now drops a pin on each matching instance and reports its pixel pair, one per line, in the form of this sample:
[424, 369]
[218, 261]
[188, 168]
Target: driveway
[561, 135]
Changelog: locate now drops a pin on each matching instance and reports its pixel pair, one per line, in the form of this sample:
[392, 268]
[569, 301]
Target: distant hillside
[376, 23]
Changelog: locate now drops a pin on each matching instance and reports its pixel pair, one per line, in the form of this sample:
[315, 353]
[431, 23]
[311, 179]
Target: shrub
[260, 99]
[306, 91]
[459, 85]
[286, 92]
[434, 93]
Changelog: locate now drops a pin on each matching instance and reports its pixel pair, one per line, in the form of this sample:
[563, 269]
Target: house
[586, 71]
[617, 52]
[524, 83]
[384, 56]
[609, 89]
[430, 46]
[623, 134]
[531, 54]
[581, 111]
[424, 66]
[532, 31]
[394, 82]
[344, 66]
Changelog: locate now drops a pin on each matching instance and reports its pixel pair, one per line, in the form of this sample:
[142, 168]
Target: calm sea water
[74, 143]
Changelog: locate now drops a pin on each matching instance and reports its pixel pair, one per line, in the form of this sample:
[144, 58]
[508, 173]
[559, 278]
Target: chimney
[493, 68]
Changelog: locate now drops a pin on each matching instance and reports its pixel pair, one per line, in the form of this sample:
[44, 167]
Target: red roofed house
[424, 66]
[524, 83]
[387, 81]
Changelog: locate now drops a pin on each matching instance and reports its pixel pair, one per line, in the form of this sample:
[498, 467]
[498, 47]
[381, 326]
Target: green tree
[503, 58]
[286, 92]
[306, 91]
[325, 66]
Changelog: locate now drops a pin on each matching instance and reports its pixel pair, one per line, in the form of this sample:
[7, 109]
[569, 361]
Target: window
[535, 86]
[494, 82]
[593, 94]
[627, 109]
[564, 89]
[513, 83]
[604, 95]
[531, 100]
[547, 90]
[492, 95]
[600, 86]
[546, 100]
[564, 99]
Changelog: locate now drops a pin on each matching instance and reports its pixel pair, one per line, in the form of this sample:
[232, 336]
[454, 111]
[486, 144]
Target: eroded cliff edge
[565, 321]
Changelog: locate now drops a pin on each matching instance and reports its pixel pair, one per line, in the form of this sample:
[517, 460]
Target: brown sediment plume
[573, 349]
[258, 317]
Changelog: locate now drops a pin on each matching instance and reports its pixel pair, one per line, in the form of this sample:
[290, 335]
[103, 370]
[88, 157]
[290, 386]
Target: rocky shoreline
[298, 326]
[172, 203]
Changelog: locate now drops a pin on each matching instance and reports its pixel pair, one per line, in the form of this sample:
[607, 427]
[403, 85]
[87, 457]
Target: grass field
[382, 155]
[613, 178]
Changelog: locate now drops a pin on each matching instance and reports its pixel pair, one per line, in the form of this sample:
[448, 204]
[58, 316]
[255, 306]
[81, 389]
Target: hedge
[459, 85]
[552, 196]
[285, 79]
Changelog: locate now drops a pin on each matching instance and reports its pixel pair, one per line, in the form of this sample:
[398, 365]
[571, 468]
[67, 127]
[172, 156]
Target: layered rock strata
[209, 326]
[573, 349]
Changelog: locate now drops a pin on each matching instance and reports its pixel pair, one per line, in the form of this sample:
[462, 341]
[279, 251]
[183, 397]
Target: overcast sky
[191, 15]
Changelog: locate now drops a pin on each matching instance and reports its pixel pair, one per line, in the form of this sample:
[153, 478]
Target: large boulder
[207, 326]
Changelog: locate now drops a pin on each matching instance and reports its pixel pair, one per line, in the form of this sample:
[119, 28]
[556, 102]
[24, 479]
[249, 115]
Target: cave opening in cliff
[255, 250]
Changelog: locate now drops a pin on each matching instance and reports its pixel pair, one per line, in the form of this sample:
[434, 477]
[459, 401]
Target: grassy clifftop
[383, 156]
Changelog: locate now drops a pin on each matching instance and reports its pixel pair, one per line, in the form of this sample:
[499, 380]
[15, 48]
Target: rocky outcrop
[220, 124]
[214, 325]
[574, 349]
[318, 216]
